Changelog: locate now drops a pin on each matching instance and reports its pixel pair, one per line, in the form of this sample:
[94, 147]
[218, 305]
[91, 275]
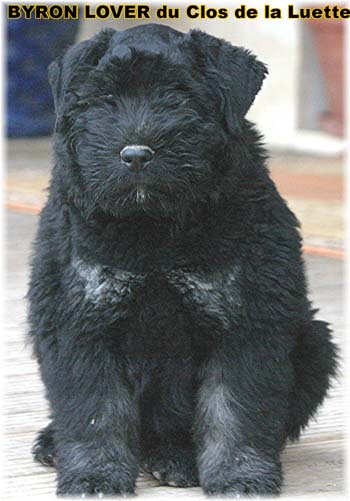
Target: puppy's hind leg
[315, 364]
[44, 450]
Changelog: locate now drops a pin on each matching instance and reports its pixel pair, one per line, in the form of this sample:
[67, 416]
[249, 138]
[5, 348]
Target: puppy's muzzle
[136, 156]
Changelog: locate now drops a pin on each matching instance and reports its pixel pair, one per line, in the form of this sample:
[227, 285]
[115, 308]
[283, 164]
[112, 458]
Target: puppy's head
[146, 117]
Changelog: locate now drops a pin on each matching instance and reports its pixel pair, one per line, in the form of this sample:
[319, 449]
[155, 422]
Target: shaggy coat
[168, 304]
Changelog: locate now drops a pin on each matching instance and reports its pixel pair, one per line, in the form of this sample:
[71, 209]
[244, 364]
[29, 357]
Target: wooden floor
[313, 466]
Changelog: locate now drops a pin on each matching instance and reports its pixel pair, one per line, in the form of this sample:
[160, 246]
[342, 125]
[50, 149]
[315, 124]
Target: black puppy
[168, 305]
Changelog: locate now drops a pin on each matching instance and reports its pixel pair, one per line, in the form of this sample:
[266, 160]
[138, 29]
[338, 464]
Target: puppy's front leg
[240, 422]
[96, 419]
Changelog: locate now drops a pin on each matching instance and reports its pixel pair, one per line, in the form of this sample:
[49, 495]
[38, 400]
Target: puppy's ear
[62, 71]
[233, 72]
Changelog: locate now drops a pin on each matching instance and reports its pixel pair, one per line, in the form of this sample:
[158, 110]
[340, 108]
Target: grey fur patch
[104, 283]
[215, 404]
[217, 294]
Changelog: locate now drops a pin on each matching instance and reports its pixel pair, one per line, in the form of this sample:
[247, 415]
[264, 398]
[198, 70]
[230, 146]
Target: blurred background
[300, 111]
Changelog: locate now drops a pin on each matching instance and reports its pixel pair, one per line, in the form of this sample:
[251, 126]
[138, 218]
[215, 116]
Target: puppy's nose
[136, 156]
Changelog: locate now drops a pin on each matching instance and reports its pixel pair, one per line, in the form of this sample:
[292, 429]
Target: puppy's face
[146, 130]
[145, 140]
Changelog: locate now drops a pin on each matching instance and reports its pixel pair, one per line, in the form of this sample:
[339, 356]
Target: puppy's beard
[140, 195]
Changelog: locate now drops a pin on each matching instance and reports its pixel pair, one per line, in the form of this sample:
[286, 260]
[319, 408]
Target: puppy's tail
[315, 362]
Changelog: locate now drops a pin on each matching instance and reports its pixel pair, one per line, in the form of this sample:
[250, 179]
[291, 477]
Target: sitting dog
[168, 303]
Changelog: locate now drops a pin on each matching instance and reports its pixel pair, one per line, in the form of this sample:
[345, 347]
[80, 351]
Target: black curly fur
[168, 308]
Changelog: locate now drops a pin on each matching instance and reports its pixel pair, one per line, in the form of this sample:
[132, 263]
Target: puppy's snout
[136, 156]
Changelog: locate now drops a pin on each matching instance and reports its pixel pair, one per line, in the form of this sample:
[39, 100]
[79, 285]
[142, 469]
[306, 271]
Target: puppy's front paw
[246, 475]
[176, 468]
[235, 488]
[92, 484]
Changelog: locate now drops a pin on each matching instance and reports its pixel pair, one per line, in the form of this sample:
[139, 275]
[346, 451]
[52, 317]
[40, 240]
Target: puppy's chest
[106, 287]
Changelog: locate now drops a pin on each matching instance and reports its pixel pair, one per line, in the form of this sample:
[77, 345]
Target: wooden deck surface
[313, 466]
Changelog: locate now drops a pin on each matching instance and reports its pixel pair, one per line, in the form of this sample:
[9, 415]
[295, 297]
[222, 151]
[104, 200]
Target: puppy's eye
[86, 102]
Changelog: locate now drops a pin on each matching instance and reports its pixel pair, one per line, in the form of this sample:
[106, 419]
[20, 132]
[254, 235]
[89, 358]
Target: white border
[253, 3]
